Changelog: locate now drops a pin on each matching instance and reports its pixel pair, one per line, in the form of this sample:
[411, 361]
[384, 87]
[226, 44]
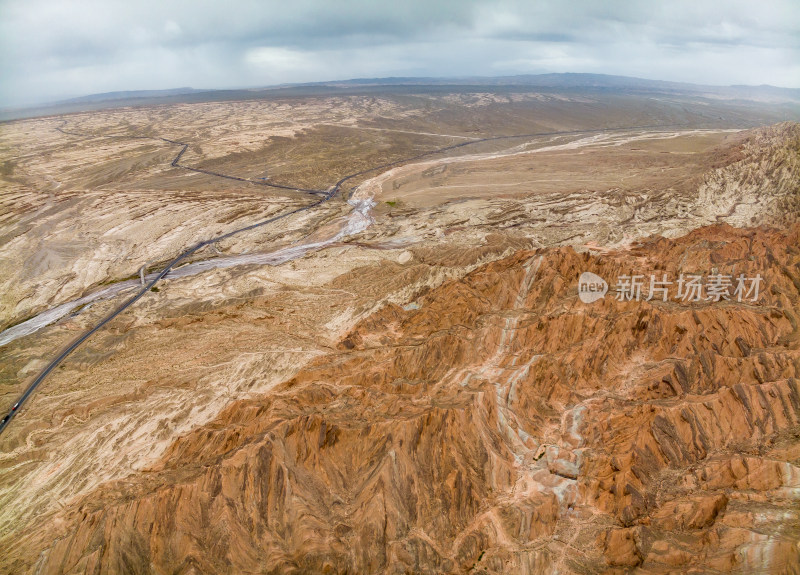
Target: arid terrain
[398, 374]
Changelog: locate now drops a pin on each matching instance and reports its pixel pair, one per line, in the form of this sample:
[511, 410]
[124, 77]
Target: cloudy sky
[52, 49]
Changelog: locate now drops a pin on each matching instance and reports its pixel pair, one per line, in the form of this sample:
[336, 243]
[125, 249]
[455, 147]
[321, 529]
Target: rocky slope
[495, 424]
[488, 422]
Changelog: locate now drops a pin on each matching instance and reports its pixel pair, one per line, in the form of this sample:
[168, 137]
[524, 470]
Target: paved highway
[325, 196]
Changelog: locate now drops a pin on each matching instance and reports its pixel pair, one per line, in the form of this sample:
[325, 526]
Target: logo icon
[591, 287]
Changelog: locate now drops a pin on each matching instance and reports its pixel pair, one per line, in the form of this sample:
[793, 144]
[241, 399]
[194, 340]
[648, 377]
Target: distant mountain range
[128, 95]
[585, 81]
[763, 94]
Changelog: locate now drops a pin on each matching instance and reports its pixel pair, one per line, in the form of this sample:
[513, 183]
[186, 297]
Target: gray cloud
[51, 49]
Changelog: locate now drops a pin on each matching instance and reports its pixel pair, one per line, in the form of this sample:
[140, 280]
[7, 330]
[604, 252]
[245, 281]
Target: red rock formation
[502, 427]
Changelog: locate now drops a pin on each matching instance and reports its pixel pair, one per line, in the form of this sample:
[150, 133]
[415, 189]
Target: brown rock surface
[502, 426]
[394, 402]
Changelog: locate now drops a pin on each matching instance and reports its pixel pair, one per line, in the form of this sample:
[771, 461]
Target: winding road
[324, 196]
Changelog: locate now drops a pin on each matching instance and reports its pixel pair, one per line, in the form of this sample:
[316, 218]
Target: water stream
[358, 220]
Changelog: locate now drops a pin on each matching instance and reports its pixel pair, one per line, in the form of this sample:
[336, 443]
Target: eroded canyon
[403, 379]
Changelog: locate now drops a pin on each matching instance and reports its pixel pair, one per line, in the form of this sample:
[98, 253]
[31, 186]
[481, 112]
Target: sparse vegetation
[360, 384]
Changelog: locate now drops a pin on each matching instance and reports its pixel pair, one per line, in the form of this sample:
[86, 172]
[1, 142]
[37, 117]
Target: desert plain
[396, 373]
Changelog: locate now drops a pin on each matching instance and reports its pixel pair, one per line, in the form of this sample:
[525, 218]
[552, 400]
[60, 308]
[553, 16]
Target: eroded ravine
[558, 434]
[640, 436]
[326, 196]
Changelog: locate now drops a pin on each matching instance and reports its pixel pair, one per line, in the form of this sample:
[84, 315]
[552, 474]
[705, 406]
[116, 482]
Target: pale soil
[74, 217]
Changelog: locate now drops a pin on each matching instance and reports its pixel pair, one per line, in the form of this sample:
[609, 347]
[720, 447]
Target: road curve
[326, 195]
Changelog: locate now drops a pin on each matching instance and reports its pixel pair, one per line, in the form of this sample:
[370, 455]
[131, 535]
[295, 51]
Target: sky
[55, 49]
